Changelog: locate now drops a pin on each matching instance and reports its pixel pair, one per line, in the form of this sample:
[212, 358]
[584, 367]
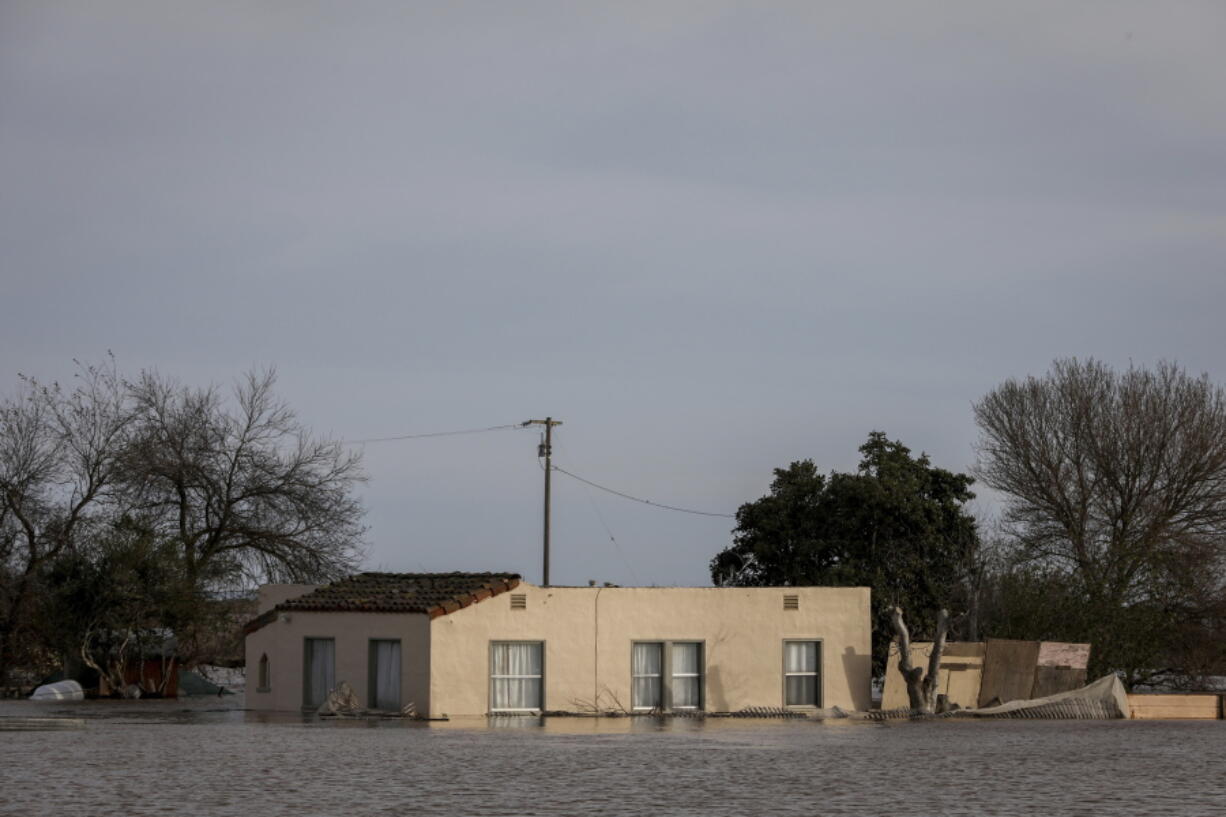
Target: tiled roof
[433, 593]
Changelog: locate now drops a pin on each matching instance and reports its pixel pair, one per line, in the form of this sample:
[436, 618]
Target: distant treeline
[130, 509]
[1113, 529]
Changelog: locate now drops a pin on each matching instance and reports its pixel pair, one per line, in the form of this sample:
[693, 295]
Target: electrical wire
[525, 425]
[432, 434]
[661, 505]
[617, 545]
[607, 529]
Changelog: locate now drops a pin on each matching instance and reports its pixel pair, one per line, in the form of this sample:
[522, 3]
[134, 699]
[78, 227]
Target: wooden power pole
[546, 450]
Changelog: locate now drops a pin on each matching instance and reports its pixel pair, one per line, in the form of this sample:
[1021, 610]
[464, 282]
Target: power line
[640, 499]
[633, 573]
[570, 474]
[432, 434]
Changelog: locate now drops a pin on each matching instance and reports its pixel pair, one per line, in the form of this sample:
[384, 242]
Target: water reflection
[516, 722]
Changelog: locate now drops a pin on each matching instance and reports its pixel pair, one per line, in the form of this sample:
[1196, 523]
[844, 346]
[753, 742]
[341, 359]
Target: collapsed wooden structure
[976, 674]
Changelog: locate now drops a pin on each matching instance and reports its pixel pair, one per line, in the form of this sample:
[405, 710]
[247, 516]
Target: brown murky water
[208, 757]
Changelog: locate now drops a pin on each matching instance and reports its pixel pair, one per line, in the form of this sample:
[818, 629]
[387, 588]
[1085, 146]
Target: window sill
[263, 689]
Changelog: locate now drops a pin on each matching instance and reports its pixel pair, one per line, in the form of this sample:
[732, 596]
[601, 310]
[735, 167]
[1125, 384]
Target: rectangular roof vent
[791, 601]
[519, 601]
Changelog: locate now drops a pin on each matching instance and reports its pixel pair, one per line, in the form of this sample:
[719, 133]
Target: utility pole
[546, 450]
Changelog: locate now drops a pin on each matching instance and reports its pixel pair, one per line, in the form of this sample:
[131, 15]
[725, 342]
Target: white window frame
[660, 685]
[816, 673]
[673, 675]
[494, 677]
[667, 675]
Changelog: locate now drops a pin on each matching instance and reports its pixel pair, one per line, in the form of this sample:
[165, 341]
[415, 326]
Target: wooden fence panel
[1175, 707]
[1008, 670]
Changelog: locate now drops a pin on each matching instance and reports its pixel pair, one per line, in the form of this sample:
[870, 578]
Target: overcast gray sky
[711, 237]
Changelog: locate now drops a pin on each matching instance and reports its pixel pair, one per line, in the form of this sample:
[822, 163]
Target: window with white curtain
[677, 687]
[384, 690]
[320, 676]
[801, 677]
[647, 675]
[517, 675]
[686, 686]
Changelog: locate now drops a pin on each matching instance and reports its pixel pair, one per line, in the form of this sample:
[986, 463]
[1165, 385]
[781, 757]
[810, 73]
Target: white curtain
[516, 675]
[646, 669]
[801, 656]
[687, 675]
[387, 675]
[800, 669]
[321, 669]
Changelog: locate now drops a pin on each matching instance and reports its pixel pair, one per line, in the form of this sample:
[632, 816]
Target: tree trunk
[110, 668]
[921, 690]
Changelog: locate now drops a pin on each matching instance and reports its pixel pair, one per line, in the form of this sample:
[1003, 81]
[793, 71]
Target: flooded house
[459, 644]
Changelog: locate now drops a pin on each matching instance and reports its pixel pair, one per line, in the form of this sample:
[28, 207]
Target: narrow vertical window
[320, 675]
[686, 682]
[800, 673]
[263, 683]
[647, 675]
[384, 690]
[517, 674]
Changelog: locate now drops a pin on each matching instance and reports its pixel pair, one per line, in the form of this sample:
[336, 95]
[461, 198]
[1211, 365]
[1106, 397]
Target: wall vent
[791, 602]
[519, 601]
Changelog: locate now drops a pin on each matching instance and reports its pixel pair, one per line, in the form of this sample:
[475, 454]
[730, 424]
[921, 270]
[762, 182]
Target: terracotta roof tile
[432, 593]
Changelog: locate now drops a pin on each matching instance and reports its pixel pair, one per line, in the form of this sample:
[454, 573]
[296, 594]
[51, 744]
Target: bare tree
[246, 493]
[59, 473]
[921, 688]
[239, 490]
[1117, 478]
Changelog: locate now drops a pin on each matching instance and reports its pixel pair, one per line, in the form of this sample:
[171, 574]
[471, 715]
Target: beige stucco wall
[588, 634]
[283, 640]
[960, 673]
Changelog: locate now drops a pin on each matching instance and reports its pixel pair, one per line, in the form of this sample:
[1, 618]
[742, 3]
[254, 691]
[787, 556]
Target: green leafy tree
[119, 600]
[897, 525]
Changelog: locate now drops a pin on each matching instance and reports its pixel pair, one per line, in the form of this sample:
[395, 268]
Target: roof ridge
[442, 573]
[433, 594]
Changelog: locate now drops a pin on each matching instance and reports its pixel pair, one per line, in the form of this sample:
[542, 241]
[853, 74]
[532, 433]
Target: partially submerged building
[488, 643]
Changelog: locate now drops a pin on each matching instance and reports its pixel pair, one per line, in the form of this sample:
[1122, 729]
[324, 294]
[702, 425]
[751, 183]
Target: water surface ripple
[207, 758]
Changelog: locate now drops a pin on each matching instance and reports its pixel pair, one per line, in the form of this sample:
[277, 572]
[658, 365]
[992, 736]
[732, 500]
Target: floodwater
[207, 757]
